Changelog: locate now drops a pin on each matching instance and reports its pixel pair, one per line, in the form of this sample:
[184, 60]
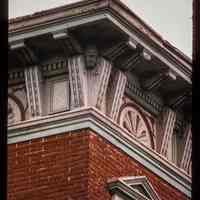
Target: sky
[172, 19]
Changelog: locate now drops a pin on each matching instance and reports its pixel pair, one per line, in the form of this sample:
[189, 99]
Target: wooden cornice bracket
[146, 55]
[179, 100]
[153, 83]
[140, 54]
[58, 35]
[130, 63]
[132, 44]
[69, 44]
[115, 51]
[24, 52]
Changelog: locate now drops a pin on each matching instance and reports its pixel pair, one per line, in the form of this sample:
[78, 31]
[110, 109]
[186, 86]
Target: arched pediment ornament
[14, 112]
[133, 121]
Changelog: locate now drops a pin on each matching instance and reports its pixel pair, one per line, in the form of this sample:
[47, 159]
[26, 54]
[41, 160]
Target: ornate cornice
[115, 11]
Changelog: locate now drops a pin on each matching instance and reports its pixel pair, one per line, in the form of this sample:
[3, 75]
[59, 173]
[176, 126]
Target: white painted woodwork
[186, 157]
[97, 80]
[33, 80]
[133, 121]
[169, 119]
[88, 86]
[78, 82]
[116, 90]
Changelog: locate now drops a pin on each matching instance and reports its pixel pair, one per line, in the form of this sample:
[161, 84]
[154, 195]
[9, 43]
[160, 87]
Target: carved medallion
[133, 121]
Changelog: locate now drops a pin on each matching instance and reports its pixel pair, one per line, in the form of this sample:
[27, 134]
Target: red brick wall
[107, 161]
[71, 167]
[53, 168]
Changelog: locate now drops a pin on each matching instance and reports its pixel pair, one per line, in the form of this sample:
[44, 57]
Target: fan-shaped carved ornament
[14, 112]
[134, 122]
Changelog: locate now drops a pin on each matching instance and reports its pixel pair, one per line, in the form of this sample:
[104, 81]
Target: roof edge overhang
[102, 125]
[22, 26]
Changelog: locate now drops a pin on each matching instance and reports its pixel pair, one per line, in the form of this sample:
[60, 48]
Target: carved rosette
[134, 122]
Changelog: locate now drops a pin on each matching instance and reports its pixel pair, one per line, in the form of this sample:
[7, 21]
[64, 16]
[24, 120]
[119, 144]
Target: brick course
[72, 166]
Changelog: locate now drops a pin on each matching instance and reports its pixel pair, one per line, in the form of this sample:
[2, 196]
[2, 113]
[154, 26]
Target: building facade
[99, 107]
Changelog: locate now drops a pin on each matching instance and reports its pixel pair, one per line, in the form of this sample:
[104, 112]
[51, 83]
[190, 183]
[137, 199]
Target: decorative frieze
[33, 87]
[115, 93]
[187, 151]
[16, 75]
[169, 119]
[54, 68]
[147, 100]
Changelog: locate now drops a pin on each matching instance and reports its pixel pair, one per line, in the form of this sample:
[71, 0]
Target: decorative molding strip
[55, 67]
[105, 127]
[185, 161]
[16, 75]
[33, 88]
[77, 81]
[115, 94]
[146, 100]
[168, 129]
[103, 81]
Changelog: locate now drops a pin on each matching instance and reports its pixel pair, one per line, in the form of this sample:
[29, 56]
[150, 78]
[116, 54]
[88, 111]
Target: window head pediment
[136, 188]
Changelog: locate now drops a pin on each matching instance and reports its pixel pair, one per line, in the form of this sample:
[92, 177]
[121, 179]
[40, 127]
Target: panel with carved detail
[56, 94]
[17, 104]
[133, 121]
[14, 112]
